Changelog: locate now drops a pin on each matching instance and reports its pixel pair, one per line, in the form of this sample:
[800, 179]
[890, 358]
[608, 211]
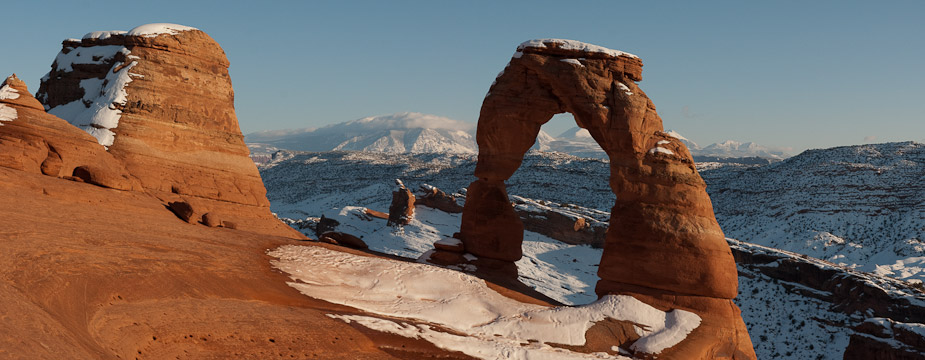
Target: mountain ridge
[411, 132]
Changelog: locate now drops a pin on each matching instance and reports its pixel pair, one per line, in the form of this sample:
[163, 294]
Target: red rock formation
[36, 142]
[401, 211]
[159, 97]
[664, 245]
[437, 199]
[175, 127]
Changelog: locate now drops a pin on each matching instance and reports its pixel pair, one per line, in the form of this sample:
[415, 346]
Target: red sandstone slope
[91, 272]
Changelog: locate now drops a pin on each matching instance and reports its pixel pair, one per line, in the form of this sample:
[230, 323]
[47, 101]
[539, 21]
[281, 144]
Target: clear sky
[798, 74]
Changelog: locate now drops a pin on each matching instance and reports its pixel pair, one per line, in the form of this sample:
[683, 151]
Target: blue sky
[798, 74]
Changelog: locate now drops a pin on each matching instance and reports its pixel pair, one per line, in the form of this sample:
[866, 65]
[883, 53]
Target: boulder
[325, 224]
[433, 197]
[663, 242]
[450, 244]
[343, 239]
[211, 219]
[183, 210]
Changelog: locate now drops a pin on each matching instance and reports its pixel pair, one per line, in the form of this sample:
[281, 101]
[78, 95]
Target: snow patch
[490, 348]
[449, 242]
[660, 150]
[626, 89]
[7, 92]
[572, 61]
[102, 35]
[464, 303]
[7, 113]
[572, 45]
[90, 55]
[152, 30]
[98, 111]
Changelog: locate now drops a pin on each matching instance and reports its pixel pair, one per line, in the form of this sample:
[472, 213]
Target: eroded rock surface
[401, 211]
[36, 142]
[158, 100]
[162, 102]
[664, 245]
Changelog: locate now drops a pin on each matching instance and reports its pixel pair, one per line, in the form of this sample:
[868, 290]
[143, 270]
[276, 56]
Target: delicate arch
[662, 234]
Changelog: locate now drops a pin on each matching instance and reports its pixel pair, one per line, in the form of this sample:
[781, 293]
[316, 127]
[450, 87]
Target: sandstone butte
[664, 245]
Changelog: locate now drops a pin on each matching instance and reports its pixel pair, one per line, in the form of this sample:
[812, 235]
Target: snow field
[464, 303]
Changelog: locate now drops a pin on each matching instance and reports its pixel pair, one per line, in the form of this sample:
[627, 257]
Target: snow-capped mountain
[397, 133]
[846, 206]
[422, 133]
[578, 142]
[733, 149]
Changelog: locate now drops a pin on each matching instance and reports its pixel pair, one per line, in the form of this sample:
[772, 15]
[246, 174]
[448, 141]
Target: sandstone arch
[664, 245]
[663, 233]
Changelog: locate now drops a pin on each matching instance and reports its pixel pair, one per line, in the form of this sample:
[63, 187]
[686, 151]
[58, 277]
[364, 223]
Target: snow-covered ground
[494, 326]
[782, 323]
[858, 206]
[566, 273]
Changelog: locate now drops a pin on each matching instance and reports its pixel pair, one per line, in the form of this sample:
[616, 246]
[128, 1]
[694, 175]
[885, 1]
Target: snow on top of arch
[103, 34]
[572, 45]
[152, 30]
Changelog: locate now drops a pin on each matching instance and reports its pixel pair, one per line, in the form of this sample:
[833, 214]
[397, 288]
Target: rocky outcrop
[159, 100]
[664, 245]
[36, 142]
[884, 339]
[567, 223]
[894, 310]
[437, 199]
[401, 211]
[342, 239]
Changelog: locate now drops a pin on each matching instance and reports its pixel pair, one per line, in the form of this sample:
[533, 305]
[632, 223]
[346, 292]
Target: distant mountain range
[416, 133]
[397, 133]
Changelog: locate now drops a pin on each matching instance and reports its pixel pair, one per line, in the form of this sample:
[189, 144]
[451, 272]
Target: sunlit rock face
[159, 97]
[664, 245]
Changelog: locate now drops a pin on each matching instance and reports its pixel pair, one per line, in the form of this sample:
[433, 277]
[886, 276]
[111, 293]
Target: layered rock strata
[160, 98]
[664, 245]
[36, 142]
[156, 108]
